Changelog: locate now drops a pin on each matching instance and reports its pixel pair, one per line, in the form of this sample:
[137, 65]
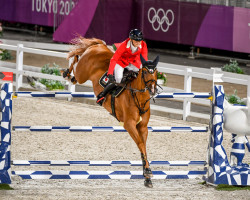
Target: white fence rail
[188, 72]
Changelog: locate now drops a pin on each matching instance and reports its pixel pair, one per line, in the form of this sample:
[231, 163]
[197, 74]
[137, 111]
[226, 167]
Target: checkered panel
[220, 171]
[6, 111]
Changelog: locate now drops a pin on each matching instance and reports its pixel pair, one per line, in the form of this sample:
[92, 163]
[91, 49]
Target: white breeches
[118, 72]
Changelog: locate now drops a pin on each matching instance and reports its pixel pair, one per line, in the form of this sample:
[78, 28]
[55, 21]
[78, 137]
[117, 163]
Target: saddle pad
[104, 81]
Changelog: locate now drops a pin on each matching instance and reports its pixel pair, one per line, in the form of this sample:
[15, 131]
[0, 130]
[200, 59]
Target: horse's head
[149, 74]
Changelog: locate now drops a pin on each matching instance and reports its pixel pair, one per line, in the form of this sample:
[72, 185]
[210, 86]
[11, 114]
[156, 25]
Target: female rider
[126, 56]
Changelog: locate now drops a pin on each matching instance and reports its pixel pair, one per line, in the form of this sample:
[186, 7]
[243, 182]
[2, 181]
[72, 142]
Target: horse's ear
[156, 60]
[143, 61]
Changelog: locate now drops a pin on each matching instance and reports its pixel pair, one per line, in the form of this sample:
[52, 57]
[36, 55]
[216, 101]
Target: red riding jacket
[124, 56]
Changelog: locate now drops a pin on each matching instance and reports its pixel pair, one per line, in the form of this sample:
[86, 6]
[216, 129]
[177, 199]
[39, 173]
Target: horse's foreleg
[143, 131]
[130, 126]
[140, 141]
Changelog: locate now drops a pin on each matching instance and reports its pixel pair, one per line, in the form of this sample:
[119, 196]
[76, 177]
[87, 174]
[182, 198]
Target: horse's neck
[138, 82]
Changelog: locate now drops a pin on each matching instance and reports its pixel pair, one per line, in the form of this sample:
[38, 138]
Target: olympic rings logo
[161, 17]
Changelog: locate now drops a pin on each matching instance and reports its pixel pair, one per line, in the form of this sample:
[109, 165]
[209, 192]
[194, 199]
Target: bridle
[145, 89]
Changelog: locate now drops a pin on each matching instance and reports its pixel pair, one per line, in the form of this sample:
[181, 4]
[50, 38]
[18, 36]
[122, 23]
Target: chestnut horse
[91, 58]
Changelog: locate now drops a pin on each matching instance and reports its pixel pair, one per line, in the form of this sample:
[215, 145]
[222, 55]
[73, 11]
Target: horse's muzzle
[153, 90]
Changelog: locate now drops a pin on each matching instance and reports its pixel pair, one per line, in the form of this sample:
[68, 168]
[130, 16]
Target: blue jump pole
[104, 129]
[92, 95]
[104, 163]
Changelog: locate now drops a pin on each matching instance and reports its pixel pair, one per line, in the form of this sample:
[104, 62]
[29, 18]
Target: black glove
[111, 78]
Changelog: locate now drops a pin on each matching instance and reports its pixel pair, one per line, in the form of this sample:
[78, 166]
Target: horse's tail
[81, 44]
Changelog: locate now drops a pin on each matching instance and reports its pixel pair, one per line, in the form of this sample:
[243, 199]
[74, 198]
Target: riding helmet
[136, 34]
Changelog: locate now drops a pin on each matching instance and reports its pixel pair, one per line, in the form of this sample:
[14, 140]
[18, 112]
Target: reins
[133, 92]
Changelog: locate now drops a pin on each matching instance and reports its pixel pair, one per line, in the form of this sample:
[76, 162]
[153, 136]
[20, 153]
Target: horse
[91, 58]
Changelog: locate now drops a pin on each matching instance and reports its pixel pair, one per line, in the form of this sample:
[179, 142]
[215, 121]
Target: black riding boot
[107, 89]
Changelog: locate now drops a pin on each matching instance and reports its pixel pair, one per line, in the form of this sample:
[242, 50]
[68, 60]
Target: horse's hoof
[73, 80]
[147, 173]
[65, 73]
[148, 183]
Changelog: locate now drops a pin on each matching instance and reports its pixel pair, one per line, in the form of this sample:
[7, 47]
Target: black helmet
[136, 34]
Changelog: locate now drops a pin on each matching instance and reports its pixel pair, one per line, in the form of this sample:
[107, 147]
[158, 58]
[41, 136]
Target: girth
[113, 106]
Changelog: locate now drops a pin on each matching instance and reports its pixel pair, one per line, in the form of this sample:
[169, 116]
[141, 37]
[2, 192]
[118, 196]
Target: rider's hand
[111, 78]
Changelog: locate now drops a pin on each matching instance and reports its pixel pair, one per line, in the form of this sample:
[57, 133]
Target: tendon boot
[102, 95]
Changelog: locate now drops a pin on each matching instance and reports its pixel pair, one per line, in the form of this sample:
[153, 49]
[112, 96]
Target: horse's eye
[144, 72]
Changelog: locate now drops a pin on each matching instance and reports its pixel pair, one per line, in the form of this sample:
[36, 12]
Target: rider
[126, 56]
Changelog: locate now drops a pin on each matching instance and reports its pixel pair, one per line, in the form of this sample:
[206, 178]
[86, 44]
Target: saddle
[128, 76]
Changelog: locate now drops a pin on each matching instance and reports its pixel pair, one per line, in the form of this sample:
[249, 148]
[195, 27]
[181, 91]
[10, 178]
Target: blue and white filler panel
[107, 174]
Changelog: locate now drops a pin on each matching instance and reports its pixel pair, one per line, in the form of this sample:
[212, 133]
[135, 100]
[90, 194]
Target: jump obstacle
[106, 174]
[219, 171]
[104, 129]
[104, 163]
[196, 95]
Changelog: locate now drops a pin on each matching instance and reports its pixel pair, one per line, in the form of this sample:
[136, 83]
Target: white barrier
[187, 72]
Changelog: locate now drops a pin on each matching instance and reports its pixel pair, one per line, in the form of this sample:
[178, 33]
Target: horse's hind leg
[76, 59]
[73, 80]
[67, 72]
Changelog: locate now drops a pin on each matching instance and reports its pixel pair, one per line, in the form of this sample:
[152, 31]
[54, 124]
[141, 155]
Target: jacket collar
[129, 43]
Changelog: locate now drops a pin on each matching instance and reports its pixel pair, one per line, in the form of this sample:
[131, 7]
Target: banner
[109, 20]
[173, 21]
[40, 12]
[161, 20]
[78, 22]
[188, 23]
[241, 30]
[216, 30]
